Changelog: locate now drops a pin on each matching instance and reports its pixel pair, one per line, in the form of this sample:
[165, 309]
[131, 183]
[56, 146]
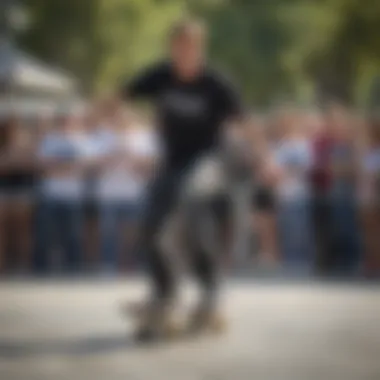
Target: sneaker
[206, 319]
[156, 320]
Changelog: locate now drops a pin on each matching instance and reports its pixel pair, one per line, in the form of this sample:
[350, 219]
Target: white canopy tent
[30, 87]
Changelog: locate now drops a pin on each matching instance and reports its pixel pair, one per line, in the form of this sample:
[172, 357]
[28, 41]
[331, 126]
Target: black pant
[323, 228]
[163, 198]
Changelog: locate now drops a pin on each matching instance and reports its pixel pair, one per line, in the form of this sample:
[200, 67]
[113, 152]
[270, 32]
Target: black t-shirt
[190, 114]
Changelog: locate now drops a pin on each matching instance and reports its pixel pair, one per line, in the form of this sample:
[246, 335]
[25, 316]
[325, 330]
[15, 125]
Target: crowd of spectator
[72, 190]
[319, 208]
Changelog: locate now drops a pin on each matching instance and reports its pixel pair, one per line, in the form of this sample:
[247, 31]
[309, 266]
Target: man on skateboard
[193, 104]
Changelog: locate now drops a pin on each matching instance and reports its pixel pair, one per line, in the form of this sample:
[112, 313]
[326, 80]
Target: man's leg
[204, 250]
[221, 209]
[161, 201]
[156, 317]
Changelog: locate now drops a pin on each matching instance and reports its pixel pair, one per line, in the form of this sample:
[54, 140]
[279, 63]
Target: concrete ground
[73, 330]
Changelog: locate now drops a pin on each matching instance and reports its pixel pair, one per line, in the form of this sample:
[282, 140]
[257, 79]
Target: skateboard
[179, 328]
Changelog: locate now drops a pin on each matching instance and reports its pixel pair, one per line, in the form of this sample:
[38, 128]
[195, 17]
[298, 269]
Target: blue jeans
[295, 233]
[114, 215]
[346, 234]
[58, 224]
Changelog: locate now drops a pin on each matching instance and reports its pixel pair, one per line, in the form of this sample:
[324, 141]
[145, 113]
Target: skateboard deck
[179, 328]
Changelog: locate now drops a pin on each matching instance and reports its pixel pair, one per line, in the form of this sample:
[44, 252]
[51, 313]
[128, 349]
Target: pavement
[300, 330]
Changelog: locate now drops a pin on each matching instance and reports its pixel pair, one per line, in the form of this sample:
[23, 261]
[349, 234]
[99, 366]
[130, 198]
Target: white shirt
[101, 142]
[294, 157]
[371, 161]
[368, 191]
[68, 148]
[120, 181]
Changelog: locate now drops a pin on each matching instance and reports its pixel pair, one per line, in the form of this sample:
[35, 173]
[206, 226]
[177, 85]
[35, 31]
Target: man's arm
[232, 112]
[235, 134]
[143, 86]
[229, 101]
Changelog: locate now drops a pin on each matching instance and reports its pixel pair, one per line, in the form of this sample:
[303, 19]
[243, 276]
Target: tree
[64, 33]
[274, 49]
[248, 40]
[335, 42]
[133, 33]
[98, 40]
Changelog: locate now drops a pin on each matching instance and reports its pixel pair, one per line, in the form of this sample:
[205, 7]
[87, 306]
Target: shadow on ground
[86, 346]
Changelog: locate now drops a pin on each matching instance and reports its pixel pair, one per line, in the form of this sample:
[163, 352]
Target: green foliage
[64, 33]
[248, 41]
[133, 33]
[274, 49]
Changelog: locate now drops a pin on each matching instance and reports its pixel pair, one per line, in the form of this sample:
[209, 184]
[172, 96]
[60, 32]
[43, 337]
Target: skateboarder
[193, 105]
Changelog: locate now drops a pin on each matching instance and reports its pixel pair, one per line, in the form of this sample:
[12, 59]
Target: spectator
[59, 219]
[264, 203]
[370, 206]
[98, 135]
[346, 237]
[321, 182]
[293, 157]
[126, 167]
[17, 186]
